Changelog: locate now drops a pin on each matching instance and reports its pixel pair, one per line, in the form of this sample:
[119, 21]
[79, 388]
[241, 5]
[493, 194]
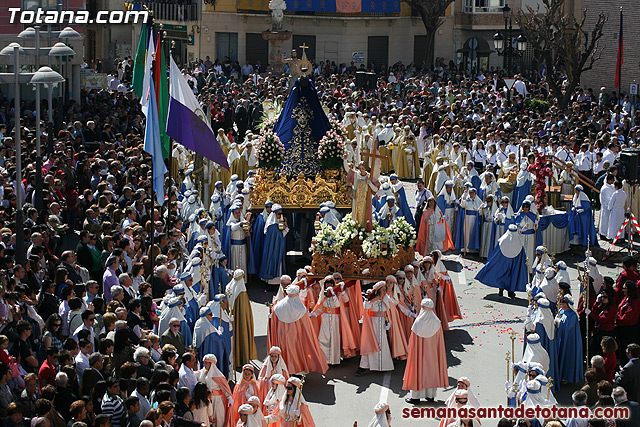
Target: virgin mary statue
[300, 127]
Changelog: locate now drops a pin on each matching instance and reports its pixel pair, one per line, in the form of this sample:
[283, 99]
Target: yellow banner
[262, 5]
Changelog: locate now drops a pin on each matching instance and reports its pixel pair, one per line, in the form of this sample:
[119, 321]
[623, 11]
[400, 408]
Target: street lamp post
[16, 50]
[60, 49]
[504, 43]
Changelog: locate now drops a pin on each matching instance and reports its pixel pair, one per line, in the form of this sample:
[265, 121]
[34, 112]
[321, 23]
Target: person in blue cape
[582, 229]
[220, 277]
[196, 271]
[187, 183]
[487, 227]
[301, 125]
[274, 248]
[388, 213]
[257, 237]
[544, 326]
[506, 267]
[448, 203]
[523, 186]
[401, 200]
[199, 232]
[207, 339]
[327, 217]
[216, 210]
[468, 223]
[190, 315]
[221, 320]
[569, 337]
[174, 310]
[191, 297]
[503, 217]
[384, 191]
[527, 222]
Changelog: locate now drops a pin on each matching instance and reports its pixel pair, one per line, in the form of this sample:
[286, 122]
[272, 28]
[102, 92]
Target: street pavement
[476, 348]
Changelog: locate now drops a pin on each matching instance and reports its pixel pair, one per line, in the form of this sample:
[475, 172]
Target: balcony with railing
[180, 11]
[483, 6]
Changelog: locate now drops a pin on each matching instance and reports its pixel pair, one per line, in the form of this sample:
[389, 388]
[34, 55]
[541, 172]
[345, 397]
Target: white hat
[293, 290]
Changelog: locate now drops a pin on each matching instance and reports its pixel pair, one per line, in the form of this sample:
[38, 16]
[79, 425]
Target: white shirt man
[584, 160]
[188, 378]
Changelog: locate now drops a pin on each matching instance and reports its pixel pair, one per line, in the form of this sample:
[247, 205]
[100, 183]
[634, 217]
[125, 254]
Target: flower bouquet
[403, 233]
[349, 230]
[541, 171]
[331, 147]
[379, 243]
[326, 241]
[269, 150]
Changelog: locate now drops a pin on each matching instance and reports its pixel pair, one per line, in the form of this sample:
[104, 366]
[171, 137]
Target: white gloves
[580, 211]
[230, 402]
[587, 311]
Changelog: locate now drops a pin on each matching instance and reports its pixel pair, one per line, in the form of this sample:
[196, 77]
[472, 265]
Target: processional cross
[376, 165]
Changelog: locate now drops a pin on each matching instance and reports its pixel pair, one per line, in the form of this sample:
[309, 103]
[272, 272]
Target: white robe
[616, 213]
[238, 253]
[488, 213]
[606, 192]
[329, 337]
[529, 240]
[469, 204]
[381, 360]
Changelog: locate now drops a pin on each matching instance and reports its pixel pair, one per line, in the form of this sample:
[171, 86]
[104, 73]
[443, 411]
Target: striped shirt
[112, 406]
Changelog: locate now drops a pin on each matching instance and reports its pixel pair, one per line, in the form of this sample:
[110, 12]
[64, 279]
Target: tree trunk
[430, 28]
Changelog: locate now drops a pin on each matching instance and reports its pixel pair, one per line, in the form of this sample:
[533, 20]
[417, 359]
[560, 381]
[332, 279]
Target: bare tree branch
[562, 44]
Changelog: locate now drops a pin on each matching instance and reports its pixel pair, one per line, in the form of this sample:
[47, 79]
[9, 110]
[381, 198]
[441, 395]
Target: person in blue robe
[527, 223]
[503, 218]
[187, 183]
[388, 212]
[257, 237]
[301, 125]
[207, 339]
[582, 230]
[274, 248]
[569, 337]
[506, 267]
[327, 217]
[191, 297]
[226, 230]
[523, 186]
[195, 267]
[179, 291]
[220, 277]
[199, 232]
[544, 326]
[401, 200]
[221, 320]
[467, 238]
[384, 192]
[448, 203]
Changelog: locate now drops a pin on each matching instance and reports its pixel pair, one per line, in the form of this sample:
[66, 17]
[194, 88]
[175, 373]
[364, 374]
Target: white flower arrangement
[379, 243]
[348, 230]
[403, 233]
[326, 241]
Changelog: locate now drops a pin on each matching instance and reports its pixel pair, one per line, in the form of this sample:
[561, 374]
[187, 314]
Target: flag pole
[170, 166]
[153, 187]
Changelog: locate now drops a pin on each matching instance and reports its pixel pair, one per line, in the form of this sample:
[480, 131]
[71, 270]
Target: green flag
[163, 103]
[140, 60]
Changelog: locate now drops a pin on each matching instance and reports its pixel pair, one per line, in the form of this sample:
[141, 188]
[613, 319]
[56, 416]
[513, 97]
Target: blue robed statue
[300, 127]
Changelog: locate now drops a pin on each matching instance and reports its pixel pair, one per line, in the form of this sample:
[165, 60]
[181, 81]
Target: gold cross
[303, 47]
